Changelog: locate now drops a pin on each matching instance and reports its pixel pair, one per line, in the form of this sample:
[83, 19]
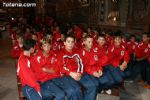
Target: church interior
[55, 19]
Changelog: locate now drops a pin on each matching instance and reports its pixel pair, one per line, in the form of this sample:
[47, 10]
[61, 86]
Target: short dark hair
[35, 34]
[101, 35]
[132, 35]
[28, 44]
[117, 34]
[20, 36]
[87, 36]
[147, 34]
[69, 36]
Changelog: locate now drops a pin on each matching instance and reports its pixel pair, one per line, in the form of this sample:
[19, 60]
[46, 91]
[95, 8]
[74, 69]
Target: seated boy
[72, 67]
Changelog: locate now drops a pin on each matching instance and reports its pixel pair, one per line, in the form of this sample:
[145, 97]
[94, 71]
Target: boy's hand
[48, 70]
[123, 66]
[76, 76]
[96, 74]
[100, 72]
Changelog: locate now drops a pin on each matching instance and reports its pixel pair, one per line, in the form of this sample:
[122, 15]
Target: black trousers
[145, 70]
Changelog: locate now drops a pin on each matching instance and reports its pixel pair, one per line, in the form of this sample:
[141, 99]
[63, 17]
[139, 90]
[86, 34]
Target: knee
[73, 90]
[61, 95]
[91, 86]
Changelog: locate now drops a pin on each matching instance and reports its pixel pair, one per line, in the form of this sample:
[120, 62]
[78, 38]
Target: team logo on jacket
[95, 57]
[52, 60]
[95, 49]
[122, 53]
[146, 50]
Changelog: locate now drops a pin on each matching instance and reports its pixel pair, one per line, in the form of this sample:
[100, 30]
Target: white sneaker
[108, 91]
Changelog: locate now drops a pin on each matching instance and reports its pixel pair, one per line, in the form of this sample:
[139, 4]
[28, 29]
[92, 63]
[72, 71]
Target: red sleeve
[110, 54]
[103, 60]
[137, 52]
[15, 52]
[26, 75]
[126, 56]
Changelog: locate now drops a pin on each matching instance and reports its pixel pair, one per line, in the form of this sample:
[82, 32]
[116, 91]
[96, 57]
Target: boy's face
[69, 43]
[46, 47]
[34, 37]
[84, 34]
[117, 41]
[20, 40]
[132, 39]
[88, 42]
[145, 38]
[101, 41]
[32, 50]
[28, 30]
[62, 37]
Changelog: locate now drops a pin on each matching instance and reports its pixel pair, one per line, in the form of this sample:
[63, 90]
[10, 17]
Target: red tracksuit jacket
[142, 50]
[40, 61]
[78, 33]
[131, 47]
[26, 74]
[16, 50]
[116, 55]
[102, 53]
[91, 60]
[70, 62]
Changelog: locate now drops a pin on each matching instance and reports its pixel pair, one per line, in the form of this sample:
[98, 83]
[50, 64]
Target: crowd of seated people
[75, 63]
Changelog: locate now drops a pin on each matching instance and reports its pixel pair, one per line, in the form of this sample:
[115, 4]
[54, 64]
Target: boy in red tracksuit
[72, 67]
[109, 39]
[90, 58]
[17, 47]
[32, 90]
[102, 49]
[45, 67]
[131, 44]
[37, 45]
[78, 32]
[56, 34]
[141, 54]
[118, 59]
[93, 63]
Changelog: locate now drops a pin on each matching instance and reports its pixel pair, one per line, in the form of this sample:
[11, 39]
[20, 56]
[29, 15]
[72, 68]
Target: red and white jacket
[78, 32]
[142, 50]
[70, 62]
[26, 74]
[91, 60]
[102, 53]
[131, 47]
[40, 61]
[116, 55]
[16, 50]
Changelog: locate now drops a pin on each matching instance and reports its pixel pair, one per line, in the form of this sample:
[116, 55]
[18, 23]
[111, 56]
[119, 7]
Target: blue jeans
[106, 80]
[114, 73]
[90, 86]
[48, 90]
[30, 93]
[70, 87]
[53, 90]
